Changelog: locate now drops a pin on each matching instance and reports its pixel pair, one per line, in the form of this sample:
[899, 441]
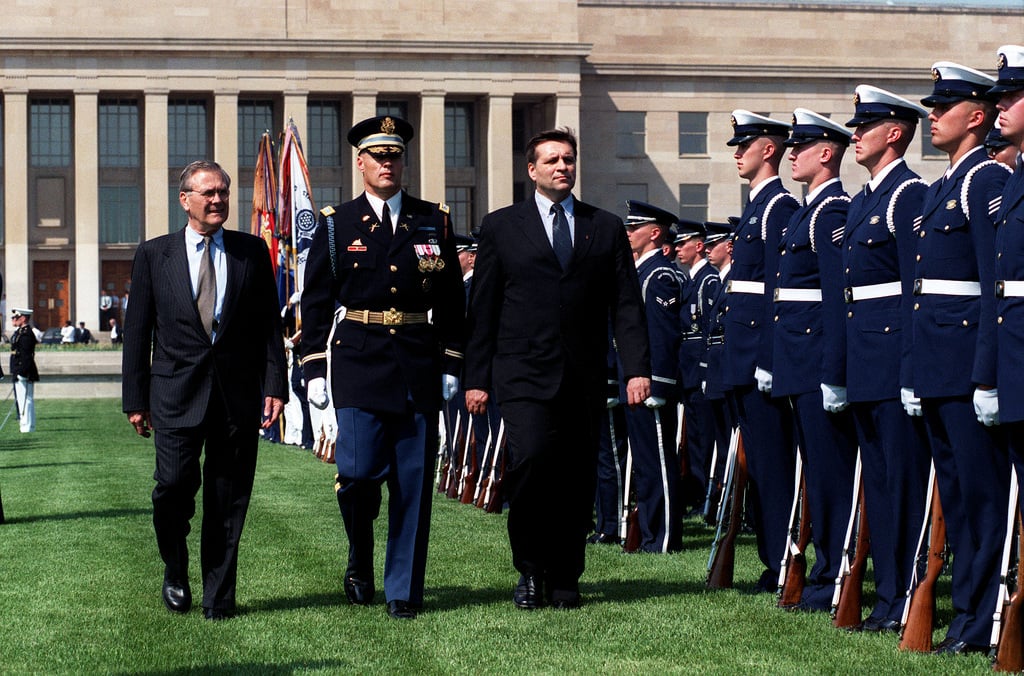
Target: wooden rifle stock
[494, 496]
[720, 573]
[1008, 628]
[917, 633]
[470, 469]
[796, 565]
[848, 610]
[458, 458]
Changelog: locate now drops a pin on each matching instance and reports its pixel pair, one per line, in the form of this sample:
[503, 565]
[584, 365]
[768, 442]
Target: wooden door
[116, 277]
[52, 301]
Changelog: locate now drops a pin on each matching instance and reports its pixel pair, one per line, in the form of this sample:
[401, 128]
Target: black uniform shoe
[529, 592]
[359, 590]
[177, 596]
[401, 610]
[957, 647]
[603, 539]
[217, 614]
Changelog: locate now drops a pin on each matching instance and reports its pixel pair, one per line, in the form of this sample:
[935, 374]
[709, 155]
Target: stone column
[225, 150]
[500, 171]
[155, 154]
[16, 275]
[431, 140]
[364, 105]
[86, 287]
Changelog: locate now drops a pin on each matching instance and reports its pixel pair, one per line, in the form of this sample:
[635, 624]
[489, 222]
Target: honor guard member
[878, 264]
[766, 424]
[699, 293]
[954, 325]
[999, 149]
[652, 427]
[808, 304]
[610, 500]
[718, 248]
[383, 310]
[23, 368]
[1007, 408]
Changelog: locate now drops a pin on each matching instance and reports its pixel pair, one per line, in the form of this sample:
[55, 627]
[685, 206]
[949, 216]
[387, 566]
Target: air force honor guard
[698, 295]
[954, 325]
[878, 259]
[377, 266]
[766, 424]
[652, 427]
[808, 304]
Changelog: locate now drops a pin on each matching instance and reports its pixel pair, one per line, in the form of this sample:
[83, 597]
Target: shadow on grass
[246, 668]
[45, 464]
[72, 516]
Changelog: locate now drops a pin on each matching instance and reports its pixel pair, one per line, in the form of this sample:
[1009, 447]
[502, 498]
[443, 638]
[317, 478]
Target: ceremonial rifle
[793, 569]
[709, 496]
[470, 467]
[846, 599]
[485, 468]
[494, 498]
[451, 442]
[723, 552]
[919, 612]
[458, 457]
[629, 536]
[1007, 626]
[442, 448]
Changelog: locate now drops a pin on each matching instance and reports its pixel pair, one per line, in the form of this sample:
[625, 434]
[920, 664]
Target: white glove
[295, 298]
[986, 406]
[612, 402]
[329, 425]
[316, 393]
[911, 404]
[764, 380]
[833, 398]
[654, 402]
[449, 386]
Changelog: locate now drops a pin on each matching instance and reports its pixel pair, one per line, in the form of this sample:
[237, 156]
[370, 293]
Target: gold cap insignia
[732, 119]
[1002, 62]
[856, 98]
[387, 126]
[794, 119]
[935, 75]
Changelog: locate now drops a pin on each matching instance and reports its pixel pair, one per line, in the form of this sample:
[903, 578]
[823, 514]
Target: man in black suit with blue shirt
[549, 274]
[203, 366]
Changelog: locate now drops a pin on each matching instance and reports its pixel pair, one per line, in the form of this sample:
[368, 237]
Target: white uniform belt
[740, 286]
[870, 291]
[946, 287]
[798, 295]
[1009, 289]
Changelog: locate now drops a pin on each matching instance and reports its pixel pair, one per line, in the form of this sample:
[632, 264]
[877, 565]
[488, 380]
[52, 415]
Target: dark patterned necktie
[561, 241]
[206, 288]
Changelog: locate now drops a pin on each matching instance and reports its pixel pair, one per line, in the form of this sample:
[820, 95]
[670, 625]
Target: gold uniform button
[870, 240]
[355, 265]
[807, 331]
[922, 233]
[847, 270]
[946, 228]
[392, 331]
[918, 257]
[917, 306]
[394, 268]
[850, 314]
[999, 255]
[394, 290]
[753, 323]
[965, 322]
[886, 329]
[776, 318]
[999, 321]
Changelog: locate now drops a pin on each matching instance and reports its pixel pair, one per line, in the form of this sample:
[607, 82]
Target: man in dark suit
[549, 273]
[203, 361]
[383, 316]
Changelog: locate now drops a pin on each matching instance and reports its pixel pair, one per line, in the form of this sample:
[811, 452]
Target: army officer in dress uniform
[377, 266]
[23, 368]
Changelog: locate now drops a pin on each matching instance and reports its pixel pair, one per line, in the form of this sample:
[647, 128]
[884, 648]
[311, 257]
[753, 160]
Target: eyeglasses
[210, 194]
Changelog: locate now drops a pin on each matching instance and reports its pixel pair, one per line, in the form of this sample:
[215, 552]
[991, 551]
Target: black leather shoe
[603, 539]
[888, 627]
[565, 600]
[217, 614]
[177, 596]
[529, 592]
[401, 610]
[957, 647]
[358, 590]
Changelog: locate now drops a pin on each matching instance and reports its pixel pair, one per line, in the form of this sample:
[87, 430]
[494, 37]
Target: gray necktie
[206, 289]
[561, 241]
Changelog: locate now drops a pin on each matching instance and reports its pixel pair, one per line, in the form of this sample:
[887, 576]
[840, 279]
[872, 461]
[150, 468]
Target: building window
[255, 116]
[693, 201]
[394, 108]
[120, 171]
[927, 149]
[51, 170]
[460, 201]
[324, 145]
[630, 134]
[693, 133]
[188, 139]
[458, 135]
[50, 133]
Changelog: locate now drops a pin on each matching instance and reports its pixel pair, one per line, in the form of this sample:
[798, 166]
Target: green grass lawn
[80, 585]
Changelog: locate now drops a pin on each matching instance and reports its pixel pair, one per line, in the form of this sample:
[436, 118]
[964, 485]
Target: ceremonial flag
[264, 198]
[296, 213]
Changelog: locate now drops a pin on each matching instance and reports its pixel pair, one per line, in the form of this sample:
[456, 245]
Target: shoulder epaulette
[890, 213]
[994, 203]
[837, 234]
[443, 208]
[768, 211]
[327, 211]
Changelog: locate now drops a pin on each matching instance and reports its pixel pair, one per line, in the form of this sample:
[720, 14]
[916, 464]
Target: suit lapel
[235, 264]
[533, 231]
[369, 223]
[584, 232]
[178, 277]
